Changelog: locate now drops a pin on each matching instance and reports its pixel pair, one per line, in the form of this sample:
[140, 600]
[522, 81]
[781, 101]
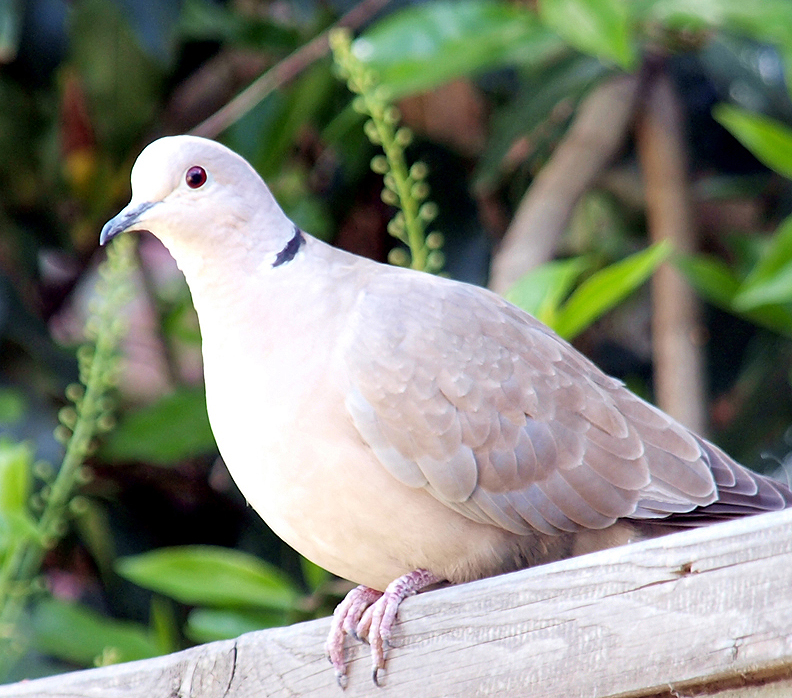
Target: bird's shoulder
[414, 329]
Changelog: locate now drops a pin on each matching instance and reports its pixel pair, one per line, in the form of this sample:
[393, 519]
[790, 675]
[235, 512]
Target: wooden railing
[705, 612]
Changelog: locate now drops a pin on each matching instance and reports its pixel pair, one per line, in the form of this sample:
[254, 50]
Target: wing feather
[458, 392]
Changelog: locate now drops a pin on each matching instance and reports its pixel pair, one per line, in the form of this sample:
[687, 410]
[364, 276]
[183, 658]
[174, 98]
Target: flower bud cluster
[404, 189]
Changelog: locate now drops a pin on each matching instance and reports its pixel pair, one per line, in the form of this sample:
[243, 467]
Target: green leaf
[711, 277]
[539, 93]
[768, 21]
[16, 522]
[203, 20]
[541, 291]
[96, 533]
[210, 624]
[605, 289]
[77, 634]
[769, 140]
[164, 627]
[121, 81]
[770, 281]
[777, 318]
[211, 576]
[716, 282]
[173, 428]
[12, 406]
[598, 27]
[429, 44]
[16, 467]
[296, 107]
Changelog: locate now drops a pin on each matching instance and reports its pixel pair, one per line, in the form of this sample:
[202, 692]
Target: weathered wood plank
[705, 612]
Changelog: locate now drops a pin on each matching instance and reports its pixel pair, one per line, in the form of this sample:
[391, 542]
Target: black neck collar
[288, 253]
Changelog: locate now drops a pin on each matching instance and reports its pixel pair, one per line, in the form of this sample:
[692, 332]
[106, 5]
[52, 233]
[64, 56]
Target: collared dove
[393, 425]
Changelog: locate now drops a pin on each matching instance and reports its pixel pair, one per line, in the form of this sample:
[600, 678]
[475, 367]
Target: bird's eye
[195, 177]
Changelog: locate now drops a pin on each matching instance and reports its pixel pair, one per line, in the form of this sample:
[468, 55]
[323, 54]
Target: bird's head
[196, 195]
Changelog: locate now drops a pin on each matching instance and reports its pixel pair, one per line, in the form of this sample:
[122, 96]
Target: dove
[400, 429]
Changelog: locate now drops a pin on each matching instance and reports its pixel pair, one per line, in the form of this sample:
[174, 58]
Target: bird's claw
[369, 615]
[345, 622]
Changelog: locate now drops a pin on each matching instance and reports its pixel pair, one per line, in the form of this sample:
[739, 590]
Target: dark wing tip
[741, 492]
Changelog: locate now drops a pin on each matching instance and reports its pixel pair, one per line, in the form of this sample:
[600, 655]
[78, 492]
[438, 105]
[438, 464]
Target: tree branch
[590, 144]
[676, 330]
[284, 71]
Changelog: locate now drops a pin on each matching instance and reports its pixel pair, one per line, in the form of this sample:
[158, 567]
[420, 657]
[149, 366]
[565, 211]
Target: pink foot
[369, 615]
[345, 620]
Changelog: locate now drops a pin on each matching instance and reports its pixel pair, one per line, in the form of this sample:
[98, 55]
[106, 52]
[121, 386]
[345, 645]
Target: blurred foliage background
[560, 137]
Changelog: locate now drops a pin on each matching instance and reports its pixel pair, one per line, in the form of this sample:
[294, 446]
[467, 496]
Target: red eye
[195, 177]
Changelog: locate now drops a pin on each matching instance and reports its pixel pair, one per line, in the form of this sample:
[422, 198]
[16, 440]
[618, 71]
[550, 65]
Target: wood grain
[706, 612]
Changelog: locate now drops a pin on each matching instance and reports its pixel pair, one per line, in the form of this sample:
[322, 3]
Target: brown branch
[212, 85]
[596, 135]
[678, 381]
[284, 71]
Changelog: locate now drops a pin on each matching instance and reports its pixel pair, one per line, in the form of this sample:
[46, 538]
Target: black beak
[124, 221]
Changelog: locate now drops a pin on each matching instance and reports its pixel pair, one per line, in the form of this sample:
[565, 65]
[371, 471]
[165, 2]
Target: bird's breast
[276, 401]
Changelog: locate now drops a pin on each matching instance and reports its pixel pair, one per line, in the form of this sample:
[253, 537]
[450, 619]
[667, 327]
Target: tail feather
[741, 492]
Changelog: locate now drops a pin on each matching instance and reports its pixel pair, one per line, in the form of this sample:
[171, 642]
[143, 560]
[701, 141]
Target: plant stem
[415, 237]
[404, 187]
[98, 368]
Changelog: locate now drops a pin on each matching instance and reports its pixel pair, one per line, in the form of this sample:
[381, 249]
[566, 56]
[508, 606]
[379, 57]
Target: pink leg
[378, 619]
[345, 620]
[368, 614]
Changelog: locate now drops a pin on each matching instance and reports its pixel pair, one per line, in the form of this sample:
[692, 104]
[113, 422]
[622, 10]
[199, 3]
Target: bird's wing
[461, 393]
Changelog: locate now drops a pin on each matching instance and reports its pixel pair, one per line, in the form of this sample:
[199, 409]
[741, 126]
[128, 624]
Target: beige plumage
[384, 421]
